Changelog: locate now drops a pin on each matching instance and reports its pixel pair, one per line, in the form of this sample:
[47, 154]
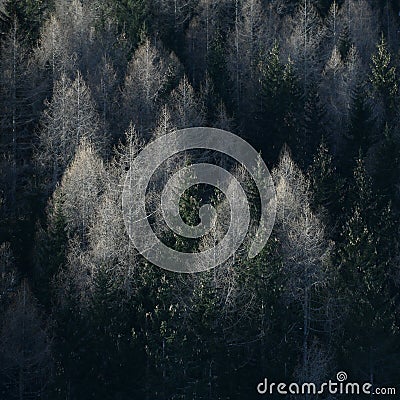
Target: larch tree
[80, 189]
[223, 120]
[331, 89]
[69, 118]
[304, 40]
[81, 186]
[332, 29]
[185, 106]
[104, 85]
[338, 84]
[108, 238]
[109, 243]
[51, 52]
[67, 38]
[150, 72]
[305, 250]
[164, 123]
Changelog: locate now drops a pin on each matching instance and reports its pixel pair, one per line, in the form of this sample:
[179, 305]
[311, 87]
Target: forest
[85, 85]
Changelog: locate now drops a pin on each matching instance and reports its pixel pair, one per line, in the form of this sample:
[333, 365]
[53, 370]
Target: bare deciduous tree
[67, 38]
[70, 117]
[303, 41]
[185, 107]
[305, 250]
[81, 186]
[149, 72]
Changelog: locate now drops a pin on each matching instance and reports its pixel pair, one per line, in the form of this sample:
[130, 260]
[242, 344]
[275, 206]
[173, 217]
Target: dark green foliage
[279, 105]
[217, 68]
[132, 17]
[50, 252]
[366, 268]
[361, 133]
[387, 170]
[30, 15]
[315, 126]
[327, 187]
[344, 43]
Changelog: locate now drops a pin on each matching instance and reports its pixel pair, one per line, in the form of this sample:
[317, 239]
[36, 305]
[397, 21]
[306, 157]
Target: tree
[29, 14]
[333, 27]
[384, 81]
[51, 243]
[365, 263]
[25, 348]
[339, 80]
[360, 26]
[185, 108]
[200, 35]
[81, 185]
[67, 40]
[244, 49]
[104, 84]
[279, 104]
[304, 40]
[150, 73]
[305, 251]
[70, 117]
[131, 16]
[164, 124]
[172, 18]
[313, 129]
[223, 120]
[387, 167]
[16, 120]
[361, 134]
[389, 14]
[209, 99]
[326, 188]
[9, 276]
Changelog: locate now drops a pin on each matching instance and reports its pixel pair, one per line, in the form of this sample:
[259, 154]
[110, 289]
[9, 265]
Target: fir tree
[327, 187]
[361, 133]
[383, 80]
[278, 104]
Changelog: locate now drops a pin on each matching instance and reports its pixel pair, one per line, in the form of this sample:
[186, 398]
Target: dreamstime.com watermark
[152, 157]
[338, 386]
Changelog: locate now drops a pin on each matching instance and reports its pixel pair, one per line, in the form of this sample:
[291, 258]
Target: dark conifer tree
[361, 133]
[279, 105]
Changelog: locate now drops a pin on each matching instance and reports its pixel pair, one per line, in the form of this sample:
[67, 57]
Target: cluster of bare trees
[312, 84]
